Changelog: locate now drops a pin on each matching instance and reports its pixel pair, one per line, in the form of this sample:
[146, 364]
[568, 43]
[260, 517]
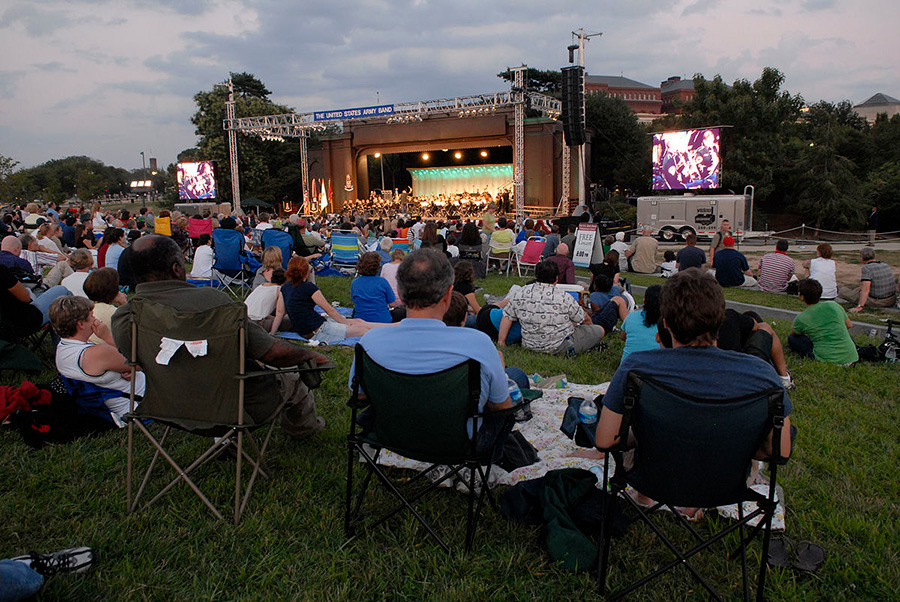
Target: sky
[112, 78]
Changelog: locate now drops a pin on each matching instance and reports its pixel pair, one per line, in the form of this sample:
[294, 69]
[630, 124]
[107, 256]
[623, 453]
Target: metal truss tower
[518, 94]
[232, 153]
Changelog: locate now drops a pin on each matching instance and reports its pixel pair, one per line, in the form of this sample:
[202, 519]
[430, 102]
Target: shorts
[759, 344]
[606, 317]
[330, 332]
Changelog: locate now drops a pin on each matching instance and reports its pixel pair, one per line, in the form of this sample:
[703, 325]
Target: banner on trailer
[377, 111]
[584, 244]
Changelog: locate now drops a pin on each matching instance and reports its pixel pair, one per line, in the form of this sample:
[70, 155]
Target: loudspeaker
[573, 105]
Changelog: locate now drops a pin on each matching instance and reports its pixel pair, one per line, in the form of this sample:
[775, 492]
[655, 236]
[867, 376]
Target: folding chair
[531, 256]
[280, 239]
[344, 250]
[699, 459]
[214, 405]
[231, 265]
[401, 244]
[422, 417]
[196, 227]
[501, 254]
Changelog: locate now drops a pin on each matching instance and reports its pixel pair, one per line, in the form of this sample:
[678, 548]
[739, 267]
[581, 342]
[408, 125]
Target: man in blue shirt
[690, 256]
[425, 284]
[731, 266]
[693, 308]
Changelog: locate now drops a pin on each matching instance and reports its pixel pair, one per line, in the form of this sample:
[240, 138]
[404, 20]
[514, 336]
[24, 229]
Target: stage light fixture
[457, 155]
[484, 153]
[425, 156]
[377, 155]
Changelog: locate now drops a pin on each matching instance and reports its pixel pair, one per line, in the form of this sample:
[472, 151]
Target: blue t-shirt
[371, 295]
[437, 347]
[515, 330]
[730, 267]
[385, 257]
[705, 372]
[601, 299]
[112, 256]
[638, 336]
[301, 308]
[690, 257]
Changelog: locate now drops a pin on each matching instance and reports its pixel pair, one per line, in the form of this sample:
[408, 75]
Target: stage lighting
[377, 155]
[425, 156]
[484, 153]
[457, 155]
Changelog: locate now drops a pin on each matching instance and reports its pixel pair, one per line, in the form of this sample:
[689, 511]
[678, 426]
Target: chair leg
[348, 503]
[237, 476]
[609, 509]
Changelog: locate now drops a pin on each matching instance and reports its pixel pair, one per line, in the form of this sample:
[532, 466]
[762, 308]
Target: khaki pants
[585, 337]
[852, 295]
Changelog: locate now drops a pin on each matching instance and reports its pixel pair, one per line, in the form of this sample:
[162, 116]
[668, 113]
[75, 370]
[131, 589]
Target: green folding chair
[422, 417]
[201, 395]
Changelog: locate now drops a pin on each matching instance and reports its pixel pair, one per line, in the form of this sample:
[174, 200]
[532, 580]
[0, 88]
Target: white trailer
[676, 216]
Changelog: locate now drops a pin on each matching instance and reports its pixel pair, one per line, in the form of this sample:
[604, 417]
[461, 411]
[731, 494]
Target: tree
[537, 80]
[620, 146]
[7, 168]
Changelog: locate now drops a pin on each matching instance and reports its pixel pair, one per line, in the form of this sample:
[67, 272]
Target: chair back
[227, 248]
[696, 452]
[422, 416]
[196, 227]
[500, 248]
[344, 247]
[192, 392]
[533, 250]
[280, 239]
[162, 225]
[400, 243]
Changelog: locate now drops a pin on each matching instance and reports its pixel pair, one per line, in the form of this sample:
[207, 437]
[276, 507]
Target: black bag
[517, 452]
[573, 428]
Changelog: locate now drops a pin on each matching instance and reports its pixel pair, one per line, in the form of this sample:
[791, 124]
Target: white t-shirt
[203, 262]
[822, 270]
[263, 226]
[621, 247]
[261, 302]
[75, 283]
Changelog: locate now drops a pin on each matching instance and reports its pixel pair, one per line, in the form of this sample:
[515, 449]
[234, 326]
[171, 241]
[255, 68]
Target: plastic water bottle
[587, 412]
[515, 395]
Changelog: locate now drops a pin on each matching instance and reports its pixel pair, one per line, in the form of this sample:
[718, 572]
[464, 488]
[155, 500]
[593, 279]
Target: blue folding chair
[280, 239]
[344, 250]
[233, 267]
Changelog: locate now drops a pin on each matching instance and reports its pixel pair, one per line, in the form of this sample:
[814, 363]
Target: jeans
[18, 581]
[802, 345]
[43, 301]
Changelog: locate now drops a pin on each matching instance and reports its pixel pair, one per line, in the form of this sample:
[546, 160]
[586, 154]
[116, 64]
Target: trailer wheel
[667, 234]
[683, 233]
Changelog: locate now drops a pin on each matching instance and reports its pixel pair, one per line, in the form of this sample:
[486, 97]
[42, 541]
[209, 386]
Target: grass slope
[841, 488]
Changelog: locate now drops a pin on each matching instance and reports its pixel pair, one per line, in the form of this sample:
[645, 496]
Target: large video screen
[686, 160]
[196, 181]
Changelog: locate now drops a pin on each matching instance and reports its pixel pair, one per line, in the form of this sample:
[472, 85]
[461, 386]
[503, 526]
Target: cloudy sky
[111, 78]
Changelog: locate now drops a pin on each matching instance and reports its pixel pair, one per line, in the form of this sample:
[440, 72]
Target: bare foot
[590, 454]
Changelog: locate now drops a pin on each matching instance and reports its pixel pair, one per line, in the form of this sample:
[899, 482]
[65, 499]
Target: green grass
[841, 488]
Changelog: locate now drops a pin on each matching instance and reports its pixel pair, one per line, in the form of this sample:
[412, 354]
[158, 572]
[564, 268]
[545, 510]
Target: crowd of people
[416, 305]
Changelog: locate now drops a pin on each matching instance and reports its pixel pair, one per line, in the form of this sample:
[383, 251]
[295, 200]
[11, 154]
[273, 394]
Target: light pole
[381, 164]
[143, 175]
[581, 37]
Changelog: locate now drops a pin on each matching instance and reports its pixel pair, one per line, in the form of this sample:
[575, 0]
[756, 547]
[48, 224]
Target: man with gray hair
[643, 252]
[878, 287]
[425, 284]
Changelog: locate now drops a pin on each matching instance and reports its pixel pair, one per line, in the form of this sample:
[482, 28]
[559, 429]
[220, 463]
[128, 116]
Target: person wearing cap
[731, 266]
[620, 247]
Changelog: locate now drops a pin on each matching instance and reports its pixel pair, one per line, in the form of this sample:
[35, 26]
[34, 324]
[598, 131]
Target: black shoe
[73, 560]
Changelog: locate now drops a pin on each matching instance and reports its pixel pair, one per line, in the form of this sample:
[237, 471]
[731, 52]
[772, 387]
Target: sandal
[810, 557]
[780, 553]
[693, 516]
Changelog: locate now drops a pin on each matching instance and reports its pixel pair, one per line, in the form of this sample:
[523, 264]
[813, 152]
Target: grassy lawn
[841, 487]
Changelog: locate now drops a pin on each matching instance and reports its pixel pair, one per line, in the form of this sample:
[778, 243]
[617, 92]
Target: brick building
[674, 92]
[878, 103]
[643, 100]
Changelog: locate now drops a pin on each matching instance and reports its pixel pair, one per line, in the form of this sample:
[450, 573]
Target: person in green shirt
[820, 331]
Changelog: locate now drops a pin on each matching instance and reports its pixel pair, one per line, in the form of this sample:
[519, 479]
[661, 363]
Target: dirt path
[847, 265]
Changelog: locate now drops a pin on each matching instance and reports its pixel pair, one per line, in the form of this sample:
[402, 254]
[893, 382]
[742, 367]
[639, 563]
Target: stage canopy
[429, 181]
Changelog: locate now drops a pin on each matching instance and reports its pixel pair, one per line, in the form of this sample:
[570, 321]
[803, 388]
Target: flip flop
[780, 553]
[691, 518]
[810, 557]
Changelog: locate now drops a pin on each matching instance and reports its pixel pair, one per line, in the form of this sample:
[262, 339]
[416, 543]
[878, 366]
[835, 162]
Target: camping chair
[281, 239]
[501, 254]
[214, 406]
[344, 250]
[231, 265]
[401, 244]
[196, 227]
[701, 459]
[423, 417]
[531, 256]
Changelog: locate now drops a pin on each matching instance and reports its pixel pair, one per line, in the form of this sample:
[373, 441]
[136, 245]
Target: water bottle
[515, 395]
[587, 412]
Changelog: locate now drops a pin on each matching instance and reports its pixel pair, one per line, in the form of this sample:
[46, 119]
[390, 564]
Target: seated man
[643, 252]
[158, 266]
[693, 308]
[776, 269]
[731, 266]
[748, 333]
[101, 365]
[691, 256]
[552, 320]
[425, 283]
[565, 265]
[878, 287]
[820, 331]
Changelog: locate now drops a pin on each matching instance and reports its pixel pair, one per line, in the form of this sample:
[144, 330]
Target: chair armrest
[528, 395]
[287, 369]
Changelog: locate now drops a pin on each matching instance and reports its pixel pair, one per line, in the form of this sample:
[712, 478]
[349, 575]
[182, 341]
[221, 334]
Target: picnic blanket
[553, 447]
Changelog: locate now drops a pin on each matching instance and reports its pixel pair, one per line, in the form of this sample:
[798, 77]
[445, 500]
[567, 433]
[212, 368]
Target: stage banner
[584, 244]
[377, 111]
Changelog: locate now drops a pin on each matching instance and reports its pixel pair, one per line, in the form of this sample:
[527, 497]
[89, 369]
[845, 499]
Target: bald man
[565, 265]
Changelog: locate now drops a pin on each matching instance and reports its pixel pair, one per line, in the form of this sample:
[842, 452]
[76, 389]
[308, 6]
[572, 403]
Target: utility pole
[582, 37]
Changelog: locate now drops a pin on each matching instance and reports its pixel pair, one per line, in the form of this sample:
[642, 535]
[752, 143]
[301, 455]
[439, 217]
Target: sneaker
[786, 381]
[73, 560]
[631, 303]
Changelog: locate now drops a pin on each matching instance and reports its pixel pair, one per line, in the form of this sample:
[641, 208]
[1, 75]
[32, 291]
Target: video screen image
[196, 181]
[686, 160]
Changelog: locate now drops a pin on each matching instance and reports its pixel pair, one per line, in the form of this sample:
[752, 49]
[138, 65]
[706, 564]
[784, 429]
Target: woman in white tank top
[822, 269]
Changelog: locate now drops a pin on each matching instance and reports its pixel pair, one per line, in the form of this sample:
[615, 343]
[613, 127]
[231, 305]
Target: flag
[330, 191]
[305, 201]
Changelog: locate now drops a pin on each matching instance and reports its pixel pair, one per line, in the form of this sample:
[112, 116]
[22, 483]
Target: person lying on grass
[693, 307]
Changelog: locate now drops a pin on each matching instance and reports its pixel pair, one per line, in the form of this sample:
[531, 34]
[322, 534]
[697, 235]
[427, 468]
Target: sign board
[584, 244]
[378, 111]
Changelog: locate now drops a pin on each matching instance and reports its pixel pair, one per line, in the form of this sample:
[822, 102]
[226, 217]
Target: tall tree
[537, 80]
[620, 146]
[7, 168]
